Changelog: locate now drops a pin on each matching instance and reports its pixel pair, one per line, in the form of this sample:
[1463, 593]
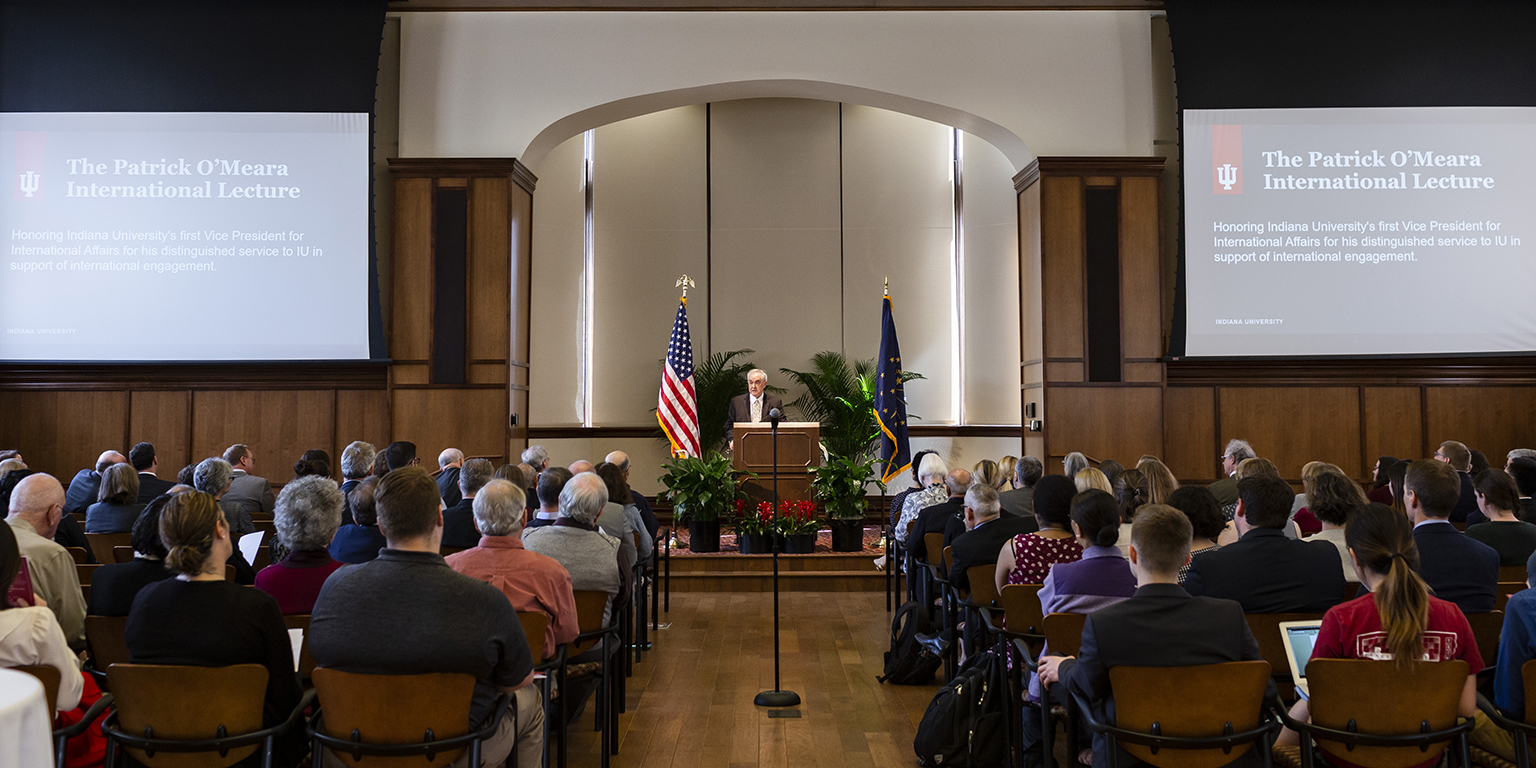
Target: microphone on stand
[778, 697]
[775, 415]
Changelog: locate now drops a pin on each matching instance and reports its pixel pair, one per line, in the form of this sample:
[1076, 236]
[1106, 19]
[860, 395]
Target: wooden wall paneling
[164, 419]
[361, 414]
[1294, 425]
[63, 431]
[1142, 372]
[1391, 423]
[1489, 419]
[489, 281]
[1141, 283]
[1119, 423]
[410, 331]
[472, 420]
[279, 426]
[1061, 269]
[488, 373]
[1189, 436]
[414, 373]
[1065, 371]
[521, 274]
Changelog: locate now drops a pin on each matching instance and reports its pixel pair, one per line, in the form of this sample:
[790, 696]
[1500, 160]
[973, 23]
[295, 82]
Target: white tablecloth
[26, 730]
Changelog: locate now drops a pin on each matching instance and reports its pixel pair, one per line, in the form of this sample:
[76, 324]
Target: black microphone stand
[778, 697]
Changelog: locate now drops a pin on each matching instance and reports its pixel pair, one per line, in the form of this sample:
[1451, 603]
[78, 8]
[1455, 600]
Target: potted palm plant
[701, 490]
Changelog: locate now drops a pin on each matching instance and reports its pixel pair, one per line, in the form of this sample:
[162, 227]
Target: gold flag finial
[685, 283]
[887, 285]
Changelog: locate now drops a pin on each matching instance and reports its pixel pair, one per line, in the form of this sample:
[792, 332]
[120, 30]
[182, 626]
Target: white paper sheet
[296, 637]
[249, 544]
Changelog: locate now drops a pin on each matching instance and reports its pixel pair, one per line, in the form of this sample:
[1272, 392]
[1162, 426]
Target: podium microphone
[778, 697]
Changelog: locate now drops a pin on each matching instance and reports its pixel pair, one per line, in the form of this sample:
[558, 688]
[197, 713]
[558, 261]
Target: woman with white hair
[1073, 463]
[931, 474]
[307, 513]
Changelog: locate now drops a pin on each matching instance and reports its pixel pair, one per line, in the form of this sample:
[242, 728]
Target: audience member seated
[407, 613]
[307, 514]
[356, 466]
[37, 506]
[1111, 470]
[613, 519]
[116, 507]
[1332, 497]
[1160, 481]
[400, 454]
[1130, 492]
[1091, 479]
[69, 533]
[1103, 576]
[459, 519]
[531, 581]
[1517, 645]
[551, 482]
[1225, 489]
[1255, 468]
[113, 587]
[989, 473]
[898, 502]
[1307, 522]
[1007, 466]
[1498, 499]
[1458, 568]
[530, 483]
[313, 463]
[512, 473]
[11, 465]
[931, 473]
[1397, 476]
[1460, 459]
[1205, 520]
[1073, 463]
[142, 457]
[643, 505]
[1264, 571]
[213, 477]
[936, 518]
[83, 488]
[987, 531]
[1381, 481]
[1188, 630]
[248, 495]
[1397, 619]
[1029, 557]
[199, 619]
[449, 464]
[30, 635]
[1478, 464]
[618, 488]
[361, 541]
[1019, 502]
[590, 555]
[186, 476]
[1523, 470]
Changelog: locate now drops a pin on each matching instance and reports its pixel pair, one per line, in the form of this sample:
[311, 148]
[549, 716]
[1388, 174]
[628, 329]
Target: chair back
[1265, 628]
[121, 554]
[949, 559]
[535, 626]
[84, 572]
[933, 546]
[301, 621]
[188, 703]
[1189, 702]
[79, 555]
[1506, 590]
[1487, 627]
[395, 709]
[590, 604]
[49, 677]
[1064, 633]
[104, 637]
[983, 585]
[1381, 698]
[1021, 608]
[1528, 676]
[1513, 573]
[102, 545]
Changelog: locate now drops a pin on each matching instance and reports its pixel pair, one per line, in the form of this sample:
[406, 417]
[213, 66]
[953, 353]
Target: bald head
[581, 465]
[620, 459]
[107, 459]
[958, 481]
[39, 500]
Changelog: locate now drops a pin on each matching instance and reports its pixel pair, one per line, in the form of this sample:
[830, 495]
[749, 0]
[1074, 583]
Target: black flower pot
[800, 544]
[847, 535]
[754, 544]
[704, 535]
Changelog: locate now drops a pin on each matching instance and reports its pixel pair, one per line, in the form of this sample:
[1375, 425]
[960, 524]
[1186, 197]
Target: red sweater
[295, 582]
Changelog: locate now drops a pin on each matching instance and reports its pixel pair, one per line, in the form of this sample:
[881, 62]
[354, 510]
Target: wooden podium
[799, 452]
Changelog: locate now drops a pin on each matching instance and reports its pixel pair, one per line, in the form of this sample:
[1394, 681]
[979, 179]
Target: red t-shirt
[1353, 630]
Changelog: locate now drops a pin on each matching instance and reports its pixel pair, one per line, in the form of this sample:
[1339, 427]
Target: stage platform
[731, 571]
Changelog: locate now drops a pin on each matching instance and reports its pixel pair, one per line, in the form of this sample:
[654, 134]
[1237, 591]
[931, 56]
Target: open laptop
[1299, 637]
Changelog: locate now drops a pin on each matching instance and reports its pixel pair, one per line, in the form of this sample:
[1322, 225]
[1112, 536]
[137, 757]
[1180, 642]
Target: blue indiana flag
[891, 401]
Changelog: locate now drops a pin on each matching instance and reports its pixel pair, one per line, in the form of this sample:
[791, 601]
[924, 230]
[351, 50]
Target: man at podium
[753, 406]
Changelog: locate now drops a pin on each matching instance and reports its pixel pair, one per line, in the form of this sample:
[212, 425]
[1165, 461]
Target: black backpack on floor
[910, 662]
[966, 723]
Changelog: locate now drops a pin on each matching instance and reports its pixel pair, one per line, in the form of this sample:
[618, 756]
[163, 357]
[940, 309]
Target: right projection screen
[1369, 231]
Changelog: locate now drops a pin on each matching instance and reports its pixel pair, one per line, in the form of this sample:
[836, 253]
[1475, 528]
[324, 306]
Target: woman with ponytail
[1397, 620]
[1103, 575]
[199, 619]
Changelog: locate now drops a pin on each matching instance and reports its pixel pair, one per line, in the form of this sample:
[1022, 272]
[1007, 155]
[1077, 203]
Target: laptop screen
[1300, 641]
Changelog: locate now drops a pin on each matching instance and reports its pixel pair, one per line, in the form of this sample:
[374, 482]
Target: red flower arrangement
[799, 517]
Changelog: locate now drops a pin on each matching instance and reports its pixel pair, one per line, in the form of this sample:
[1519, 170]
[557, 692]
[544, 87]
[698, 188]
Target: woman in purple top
[307, 513]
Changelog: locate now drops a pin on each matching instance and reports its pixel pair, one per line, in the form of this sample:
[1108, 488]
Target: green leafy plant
[840, 482]
[701, 488]
[841, 397]
[752, 520]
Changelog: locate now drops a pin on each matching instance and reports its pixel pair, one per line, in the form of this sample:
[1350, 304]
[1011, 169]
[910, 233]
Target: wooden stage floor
[690, 700]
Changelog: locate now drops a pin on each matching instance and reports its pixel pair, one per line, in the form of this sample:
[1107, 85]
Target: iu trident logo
[1227, 159]
[29, 183]
[31, 156]
[1226, 176]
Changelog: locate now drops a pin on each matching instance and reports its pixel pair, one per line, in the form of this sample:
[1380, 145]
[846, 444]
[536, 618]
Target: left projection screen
[145, 237]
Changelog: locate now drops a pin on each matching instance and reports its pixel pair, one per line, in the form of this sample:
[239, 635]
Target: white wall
[1036, 83]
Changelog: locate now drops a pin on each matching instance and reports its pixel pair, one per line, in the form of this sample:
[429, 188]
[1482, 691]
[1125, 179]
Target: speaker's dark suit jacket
[981, 545]
[459, 525]
[151, 486]
[82, 491]
[1266, 572]
[448, 487]
[741, 410]
[1188, 631]
[1457, 567]
[932, 520]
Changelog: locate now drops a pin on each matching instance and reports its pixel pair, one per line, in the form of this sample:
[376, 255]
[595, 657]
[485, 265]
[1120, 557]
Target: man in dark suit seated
[551, 482]
[87, 482]
[1523, 470]
[1458, 568]
[1225, 489]
[142, 457]
[1160, 626]
[1459, 457]
[459, 531]
[986, 531]
[936, 518]
[753, 406]
[1265, 571]
[449, 464]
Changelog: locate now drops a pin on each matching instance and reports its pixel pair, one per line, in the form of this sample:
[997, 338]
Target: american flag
[676, 407]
